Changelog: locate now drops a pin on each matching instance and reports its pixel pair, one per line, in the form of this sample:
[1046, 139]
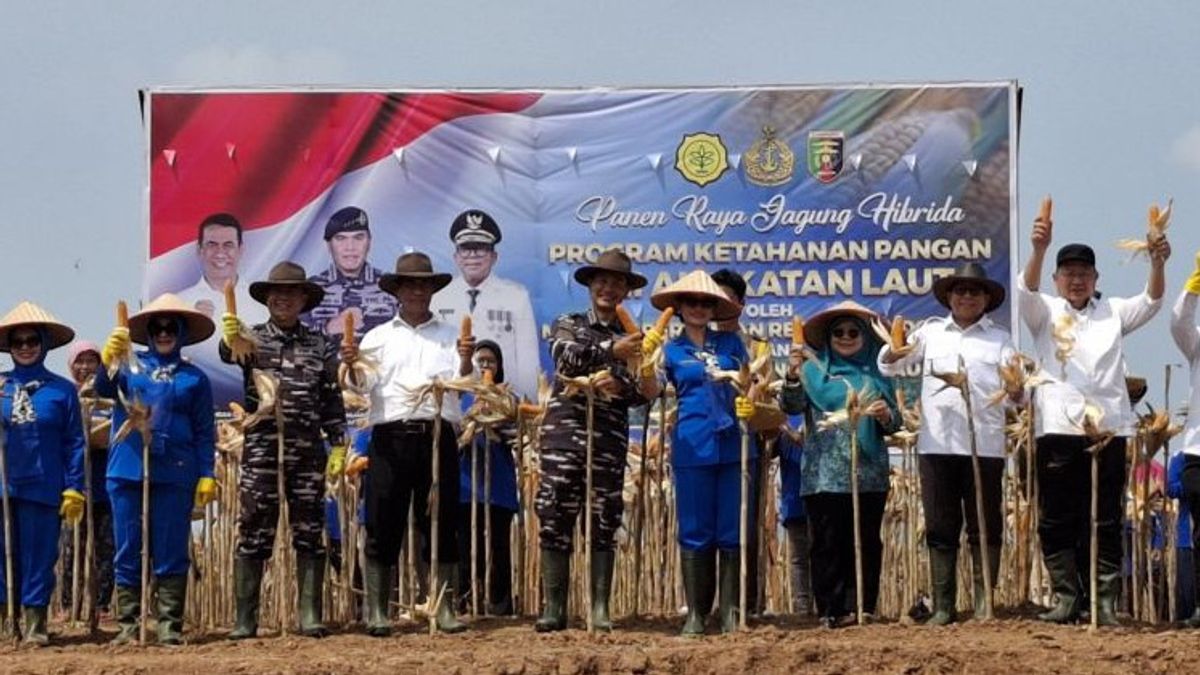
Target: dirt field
[1012, 645]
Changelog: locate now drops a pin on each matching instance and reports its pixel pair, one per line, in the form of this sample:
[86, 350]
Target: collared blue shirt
[706, 432]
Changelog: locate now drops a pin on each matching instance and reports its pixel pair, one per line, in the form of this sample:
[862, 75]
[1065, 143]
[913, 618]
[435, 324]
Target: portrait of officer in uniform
[350, 283]
[499, 308]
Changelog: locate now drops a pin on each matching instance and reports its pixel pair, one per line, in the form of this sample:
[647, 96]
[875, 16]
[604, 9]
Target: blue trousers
[708, 500]
[35, 530]
[170, 527]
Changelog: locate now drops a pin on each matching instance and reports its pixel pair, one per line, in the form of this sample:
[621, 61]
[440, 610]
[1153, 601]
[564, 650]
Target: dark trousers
[948, 498]
[400, 473]
[831, 516]
[1065, 488]
[1191, 496]
[501, 585]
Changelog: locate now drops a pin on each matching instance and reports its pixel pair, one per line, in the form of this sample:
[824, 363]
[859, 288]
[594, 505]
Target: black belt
[409, 427]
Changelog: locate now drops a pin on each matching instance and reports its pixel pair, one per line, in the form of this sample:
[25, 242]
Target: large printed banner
[814, 194]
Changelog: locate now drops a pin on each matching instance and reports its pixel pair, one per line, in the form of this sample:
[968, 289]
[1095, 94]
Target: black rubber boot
[699, 580]
[1108, 586]
[556, 575]
[247, 586]
[730, 565]
[377, 584]
[603, 563]
[129, 610]
[446, 621]
[310, 573]
[993, 573]
[943, 575]
[35, 627]
[1064, 580]
[172, 596]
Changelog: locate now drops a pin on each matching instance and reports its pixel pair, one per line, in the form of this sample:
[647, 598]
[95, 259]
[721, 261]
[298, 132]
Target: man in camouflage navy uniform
[583, 344]
[351, 284]
[306, 364]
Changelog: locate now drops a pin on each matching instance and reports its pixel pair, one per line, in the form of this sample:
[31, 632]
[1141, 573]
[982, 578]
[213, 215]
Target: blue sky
[1110, 119]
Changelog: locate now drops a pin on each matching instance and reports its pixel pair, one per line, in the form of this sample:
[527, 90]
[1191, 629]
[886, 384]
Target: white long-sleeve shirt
[409, 357]
[938, 343]
[1187, 338]
[1095, 369]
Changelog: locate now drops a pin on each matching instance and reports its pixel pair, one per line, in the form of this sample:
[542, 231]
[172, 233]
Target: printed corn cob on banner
[816, 194]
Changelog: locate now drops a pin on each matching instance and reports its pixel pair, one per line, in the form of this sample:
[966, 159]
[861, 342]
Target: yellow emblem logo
[701, 158]
[769, 161]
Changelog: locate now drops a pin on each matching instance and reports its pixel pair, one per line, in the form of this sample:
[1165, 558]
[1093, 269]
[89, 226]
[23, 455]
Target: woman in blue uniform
[43, 454]
[181, 456]
[846, 349]
[501, 499]
[706, 445]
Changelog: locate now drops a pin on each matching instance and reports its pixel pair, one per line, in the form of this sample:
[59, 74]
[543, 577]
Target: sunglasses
[967, 290]
[850, 333]
[26, 342]
[707, 303]
[162, 328]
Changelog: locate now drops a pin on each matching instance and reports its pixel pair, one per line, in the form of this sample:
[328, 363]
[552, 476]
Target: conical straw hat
[697, 283]
[817, 326]
[197, 325]
[29, 314]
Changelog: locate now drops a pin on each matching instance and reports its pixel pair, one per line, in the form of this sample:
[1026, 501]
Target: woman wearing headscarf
[706, 444]
[844, 352]
[181, 447]
[500, 499]
[83, 360]
[43, 455]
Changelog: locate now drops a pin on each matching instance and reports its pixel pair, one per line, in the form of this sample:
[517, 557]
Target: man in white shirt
[499, 308]
[1078, 339]
[411, 351]
[219, 248]
[1187, 338]
[944, 444]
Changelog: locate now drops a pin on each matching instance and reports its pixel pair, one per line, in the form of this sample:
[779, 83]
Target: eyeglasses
[706, 303]
[967, 290]
[162, 328]
[1084, 275]
[26, 342]
[474, 252]
[848, 333]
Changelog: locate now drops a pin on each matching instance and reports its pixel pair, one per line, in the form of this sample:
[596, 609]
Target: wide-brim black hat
[288, 274]
[413, 266]
[614, 261]
[974, 273]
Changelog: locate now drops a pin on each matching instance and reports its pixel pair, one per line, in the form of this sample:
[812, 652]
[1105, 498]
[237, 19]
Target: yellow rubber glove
[115, 347]
[1192, 285]
[652, 339]
[73, 503]
[336, 462]
[230, 327]
[743, 407]
[357, 465]
[206, 492]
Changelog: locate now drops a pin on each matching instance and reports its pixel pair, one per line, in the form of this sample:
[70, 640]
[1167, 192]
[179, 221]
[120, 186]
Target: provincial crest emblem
[825, 151]
[769, 161]
[701, 158]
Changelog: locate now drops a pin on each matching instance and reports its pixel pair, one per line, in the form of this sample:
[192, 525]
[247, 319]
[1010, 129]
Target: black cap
[348, 219]
[474, 227]
[1076, 253]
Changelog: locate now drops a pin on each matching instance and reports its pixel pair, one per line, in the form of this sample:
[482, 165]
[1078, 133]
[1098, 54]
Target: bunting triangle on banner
[735, 161]
[856, 160]
[636, 308]
[971, 166]
[655, 159]
[230, 149]
[565, 275]
[494, 153]
[572, 154]
[398, 153]
[169, 155]
[911, 162]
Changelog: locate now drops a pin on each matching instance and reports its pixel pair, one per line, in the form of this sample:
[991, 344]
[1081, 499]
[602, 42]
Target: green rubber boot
[172, 596]
[602, 576]
[446, 620]
[377, 583]
[730, 566]
[556, 575]
[1108, 587]
[129, 611]
[247, 586]
[699, 580]
[1064, 580]
[943, 574]
[35, 626]
[993, 574]
[310, 573]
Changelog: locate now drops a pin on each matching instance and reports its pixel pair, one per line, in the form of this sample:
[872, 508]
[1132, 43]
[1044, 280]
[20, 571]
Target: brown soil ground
[1010, 645]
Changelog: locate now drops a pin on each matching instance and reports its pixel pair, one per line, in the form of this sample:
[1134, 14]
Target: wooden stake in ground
[474, 528]
[145, 590]
[984, 554]
[852, 410]
[743, 523]
[10, 592]
[487, 527]
[587, 505]
[1093, 568]
[284, 517]
[639, 526]
[435, 493]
